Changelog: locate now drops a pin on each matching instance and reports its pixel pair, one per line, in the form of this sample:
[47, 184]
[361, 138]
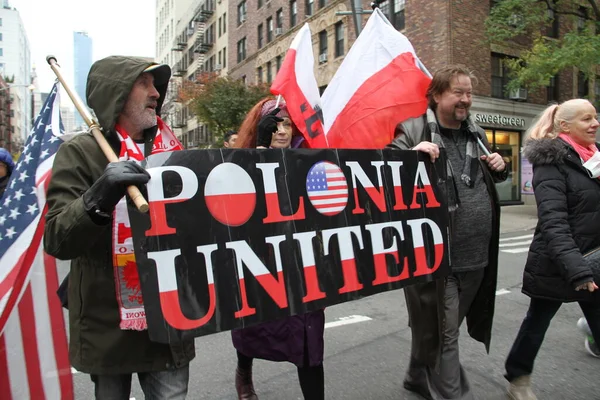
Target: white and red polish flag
[378, 85]
[296, 82]
[34, 360]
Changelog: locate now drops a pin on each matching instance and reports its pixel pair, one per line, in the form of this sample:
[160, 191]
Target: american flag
[327, 188]
[34, 361]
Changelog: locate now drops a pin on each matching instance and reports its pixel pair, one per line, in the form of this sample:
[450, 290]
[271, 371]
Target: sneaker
[590, 344]
[583, 326]
[592, 347]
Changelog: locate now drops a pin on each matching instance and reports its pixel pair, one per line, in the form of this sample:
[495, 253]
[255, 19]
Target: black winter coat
[568, 202]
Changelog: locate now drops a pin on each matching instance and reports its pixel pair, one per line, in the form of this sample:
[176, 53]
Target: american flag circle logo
[327, 188]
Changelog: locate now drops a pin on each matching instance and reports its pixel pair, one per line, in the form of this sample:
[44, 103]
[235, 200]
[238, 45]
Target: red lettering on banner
[397, 182]
[275, 287]
[168, 291]
[377, 195]
[346, 252]
[311, 279]
[427, 190]
[380, 252]
[272, 199]
[422, 266]
[157, 200]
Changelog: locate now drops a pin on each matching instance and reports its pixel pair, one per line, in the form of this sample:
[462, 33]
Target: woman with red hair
[299, 338]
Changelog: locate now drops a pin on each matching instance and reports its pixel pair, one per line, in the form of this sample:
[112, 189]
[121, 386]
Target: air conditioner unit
[218, 67]
[519, 94]
[323, 58]
[278, 31]
[243, 18]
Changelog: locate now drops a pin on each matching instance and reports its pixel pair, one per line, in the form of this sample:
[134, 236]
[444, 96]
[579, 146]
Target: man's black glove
[267, 126]
[101, 199]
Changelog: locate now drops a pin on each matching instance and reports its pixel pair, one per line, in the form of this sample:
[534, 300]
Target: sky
[116, 27]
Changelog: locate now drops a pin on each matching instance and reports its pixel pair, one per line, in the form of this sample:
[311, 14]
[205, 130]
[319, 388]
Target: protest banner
[236, 237]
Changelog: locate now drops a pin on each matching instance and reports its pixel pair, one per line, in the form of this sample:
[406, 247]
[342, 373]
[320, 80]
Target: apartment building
[442, 33]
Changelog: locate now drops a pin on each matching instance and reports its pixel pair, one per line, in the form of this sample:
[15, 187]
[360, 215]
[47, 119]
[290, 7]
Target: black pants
[533, 329]
[312, 379]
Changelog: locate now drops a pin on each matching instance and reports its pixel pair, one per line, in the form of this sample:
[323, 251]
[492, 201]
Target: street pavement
[367, 346]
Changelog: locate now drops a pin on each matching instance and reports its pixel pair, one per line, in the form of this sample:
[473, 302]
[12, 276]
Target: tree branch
[552, 6]
[595, 8]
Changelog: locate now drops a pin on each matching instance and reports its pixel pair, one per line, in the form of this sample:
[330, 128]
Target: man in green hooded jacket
[124, 92]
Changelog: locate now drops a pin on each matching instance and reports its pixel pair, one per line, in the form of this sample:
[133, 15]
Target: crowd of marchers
[85, 200]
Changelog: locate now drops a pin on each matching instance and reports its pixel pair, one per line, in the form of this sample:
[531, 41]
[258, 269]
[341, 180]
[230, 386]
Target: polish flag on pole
[380, 83]
[296, 82]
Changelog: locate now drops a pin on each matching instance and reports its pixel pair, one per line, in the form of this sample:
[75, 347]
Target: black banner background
[195, 226]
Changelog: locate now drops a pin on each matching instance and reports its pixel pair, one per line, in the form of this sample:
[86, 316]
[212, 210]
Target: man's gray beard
[461, 119]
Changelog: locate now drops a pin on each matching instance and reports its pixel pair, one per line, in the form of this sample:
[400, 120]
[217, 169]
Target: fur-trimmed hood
[545, 151]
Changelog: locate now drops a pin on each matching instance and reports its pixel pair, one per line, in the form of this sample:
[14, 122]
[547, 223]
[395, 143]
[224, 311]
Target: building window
[339, 39]
[552, 29]
[308, 7]
[552, 90]
[269, 29]
[279, 19]
[293, 13]
[507, 144]
[224, 23]
[322, 3]
[241, 12]
[259, 75]
[398, 14]
[241, 50]
[260, 35]
[278, 65]
[1, 52]
[260, 3]
[581, 20]
[269, 72]
[219, 26]
[224, 57]
[582, 86]
[500, 76]
[0, 36]
[322, 46]
[394, 12]
[0, 21]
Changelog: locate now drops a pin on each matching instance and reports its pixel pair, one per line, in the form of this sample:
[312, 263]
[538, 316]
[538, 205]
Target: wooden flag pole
[133, 191]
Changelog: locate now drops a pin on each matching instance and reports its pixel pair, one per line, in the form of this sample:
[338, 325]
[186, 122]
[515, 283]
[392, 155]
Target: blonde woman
[566, 166]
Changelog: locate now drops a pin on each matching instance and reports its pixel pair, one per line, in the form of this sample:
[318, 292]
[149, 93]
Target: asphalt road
[367, 345]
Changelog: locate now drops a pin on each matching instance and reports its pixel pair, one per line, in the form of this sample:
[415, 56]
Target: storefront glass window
[506, 143]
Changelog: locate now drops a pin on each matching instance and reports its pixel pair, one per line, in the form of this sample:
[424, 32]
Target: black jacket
[425, 302]
[568, 202]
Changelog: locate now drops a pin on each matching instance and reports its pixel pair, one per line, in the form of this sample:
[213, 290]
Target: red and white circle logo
[230, 194]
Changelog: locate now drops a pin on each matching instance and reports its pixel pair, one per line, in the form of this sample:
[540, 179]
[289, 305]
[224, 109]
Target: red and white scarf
[127, 280]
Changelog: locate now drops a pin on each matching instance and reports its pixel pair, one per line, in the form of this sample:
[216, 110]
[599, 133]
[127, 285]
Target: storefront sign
[238, 237]
[497, 119]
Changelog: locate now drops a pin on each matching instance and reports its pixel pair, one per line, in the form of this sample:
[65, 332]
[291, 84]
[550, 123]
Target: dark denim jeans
[162, 385]
[533, 329]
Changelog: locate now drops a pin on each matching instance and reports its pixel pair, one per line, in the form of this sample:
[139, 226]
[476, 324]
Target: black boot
[244, 385]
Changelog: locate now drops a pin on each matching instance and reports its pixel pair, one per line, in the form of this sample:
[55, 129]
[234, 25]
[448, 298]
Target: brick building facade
[442, 32]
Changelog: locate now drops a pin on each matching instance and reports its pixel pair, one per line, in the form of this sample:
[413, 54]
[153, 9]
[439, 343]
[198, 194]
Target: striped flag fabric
[296, 82]
[380, 83]
[327, 188]
[34, 361]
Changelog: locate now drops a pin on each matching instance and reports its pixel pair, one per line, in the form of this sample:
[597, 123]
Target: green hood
[108, 85]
